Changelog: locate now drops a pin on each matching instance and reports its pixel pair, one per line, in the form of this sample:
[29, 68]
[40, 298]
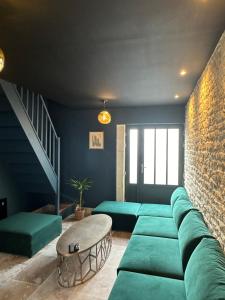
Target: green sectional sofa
[125, 214]
[26, 233]
[204, 279]
[162, 256]
[171, 254]
[163, 226]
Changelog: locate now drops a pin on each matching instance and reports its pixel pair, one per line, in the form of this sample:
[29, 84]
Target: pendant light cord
[104, 103]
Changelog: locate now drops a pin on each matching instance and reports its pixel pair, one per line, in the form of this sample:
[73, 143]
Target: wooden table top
[86, 232]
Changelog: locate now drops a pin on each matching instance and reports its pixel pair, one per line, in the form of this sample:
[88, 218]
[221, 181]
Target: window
[159, 159]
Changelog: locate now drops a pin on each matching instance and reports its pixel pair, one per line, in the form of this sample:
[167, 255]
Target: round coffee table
[94, 237]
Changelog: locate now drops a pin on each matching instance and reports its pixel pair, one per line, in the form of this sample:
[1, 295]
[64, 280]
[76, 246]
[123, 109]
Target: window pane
[173, 156]
[133, 155]
[149, 155]
[161, 156]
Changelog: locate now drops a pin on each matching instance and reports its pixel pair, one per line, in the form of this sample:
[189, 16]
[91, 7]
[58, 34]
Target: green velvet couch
[125, 214]
[163, 256]
[26, 233]
[171, 254]
[204, 279]
[163, 226]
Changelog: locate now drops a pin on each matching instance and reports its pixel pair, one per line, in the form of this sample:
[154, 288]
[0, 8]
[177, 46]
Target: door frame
[140, 175]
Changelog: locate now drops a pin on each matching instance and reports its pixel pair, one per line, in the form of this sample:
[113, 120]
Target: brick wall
[205, 143]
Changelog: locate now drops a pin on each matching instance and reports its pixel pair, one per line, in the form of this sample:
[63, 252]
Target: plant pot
[79, 213]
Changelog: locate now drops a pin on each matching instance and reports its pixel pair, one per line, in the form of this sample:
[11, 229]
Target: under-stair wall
[16, 199]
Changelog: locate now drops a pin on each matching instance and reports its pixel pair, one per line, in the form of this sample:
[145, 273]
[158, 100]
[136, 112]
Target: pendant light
[104, 116]
[2, 60]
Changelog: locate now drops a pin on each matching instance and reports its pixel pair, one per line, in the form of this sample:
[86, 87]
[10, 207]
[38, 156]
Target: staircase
[29, 144]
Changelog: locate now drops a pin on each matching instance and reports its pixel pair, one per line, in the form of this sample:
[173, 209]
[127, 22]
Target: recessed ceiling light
[176, 96]
[183, 72]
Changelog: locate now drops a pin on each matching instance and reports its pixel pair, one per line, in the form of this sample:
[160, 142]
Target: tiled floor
[36, 278]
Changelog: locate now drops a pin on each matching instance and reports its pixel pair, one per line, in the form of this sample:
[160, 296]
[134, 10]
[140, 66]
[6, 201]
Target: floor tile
[39, 270]
[16, 290]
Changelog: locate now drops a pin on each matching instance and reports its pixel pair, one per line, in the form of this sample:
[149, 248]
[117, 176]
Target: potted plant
[80, 185]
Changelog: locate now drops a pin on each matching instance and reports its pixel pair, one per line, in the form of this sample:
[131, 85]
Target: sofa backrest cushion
[180, 209]
[205, 273]
[191, 231]
[178, 193]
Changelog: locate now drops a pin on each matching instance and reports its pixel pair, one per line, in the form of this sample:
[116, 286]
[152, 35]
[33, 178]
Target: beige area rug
[36, 278]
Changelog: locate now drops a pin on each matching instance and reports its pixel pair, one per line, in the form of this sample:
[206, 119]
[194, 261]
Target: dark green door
[154, 162]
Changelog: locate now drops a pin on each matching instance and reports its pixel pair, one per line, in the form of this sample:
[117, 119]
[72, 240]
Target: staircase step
[66, 209]
[12, 133]
[15, 146]
[8, 119]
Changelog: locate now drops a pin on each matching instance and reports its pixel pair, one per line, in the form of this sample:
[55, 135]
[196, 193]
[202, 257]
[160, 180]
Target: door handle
[142, 168]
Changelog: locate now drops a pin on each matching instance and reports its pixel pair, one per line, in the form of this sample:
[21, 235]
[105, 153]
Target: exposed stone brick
[205, 143]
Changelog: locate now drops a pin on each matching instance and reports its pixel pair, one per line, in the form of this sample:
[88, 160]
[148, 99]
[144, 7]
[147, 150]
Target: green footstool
[26, 233]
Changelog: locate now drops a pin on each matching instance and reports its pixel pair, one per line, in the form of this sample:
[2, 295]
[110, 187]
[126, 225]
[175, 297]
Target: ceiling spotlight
[176, 96]
[2, 60]
[183, 72]
[104, 116]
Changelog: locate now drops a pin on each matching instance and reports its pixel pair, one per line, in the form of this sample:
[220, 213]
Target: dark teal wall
[77, 160]
[16, 200]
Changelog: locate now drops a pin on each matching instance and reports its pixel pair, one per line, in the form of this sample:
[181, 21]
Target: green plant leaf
[80, 184]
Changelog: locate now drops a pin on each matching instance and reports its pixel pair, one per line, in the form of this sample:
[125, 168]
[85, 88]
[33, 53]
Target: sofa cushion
[156, 226]
[26, 233]
[205, 272]
[180, 209]
[153, 255]
[155, 210]
[178, 193]
[191, 231]
[117, 207]
[133, 286]
[123, 214]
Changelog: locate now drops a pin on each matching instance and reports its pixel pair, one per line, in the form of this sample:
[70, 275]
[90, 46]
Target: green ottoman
[123, 214]
[26, 233]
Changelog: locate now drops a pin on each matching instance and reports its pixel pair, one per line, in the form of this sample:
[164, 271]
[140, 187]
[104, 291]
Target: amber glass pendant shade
[2, 60]
[104, 117]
